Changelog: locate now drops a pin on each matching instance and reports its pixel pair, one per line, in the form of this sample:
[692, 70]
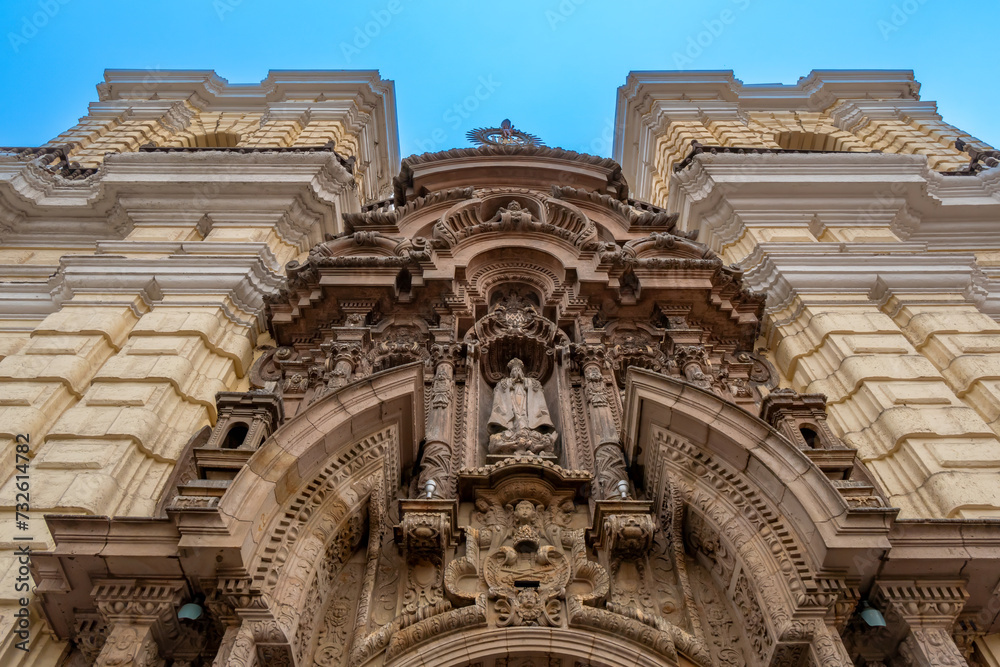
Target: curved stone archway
[757, 513]
[534, 647]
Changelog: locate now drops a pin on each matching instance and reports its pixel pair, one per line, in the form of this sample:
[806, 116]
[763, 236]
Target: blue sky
[551, 66]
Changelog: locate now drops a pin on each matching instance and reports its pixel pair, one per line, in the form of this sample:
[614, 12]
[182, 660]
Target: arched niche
[490, 268]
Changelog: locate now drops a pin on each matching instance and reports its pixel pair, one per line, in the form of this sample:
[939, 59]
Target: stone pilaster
[435, 480]
[142, 620]
[929, 612]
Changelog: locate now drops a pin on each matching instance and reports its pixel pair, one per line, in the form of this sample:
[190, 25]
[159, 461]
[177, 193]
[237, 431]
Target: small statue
[519, 422]
[602, 422]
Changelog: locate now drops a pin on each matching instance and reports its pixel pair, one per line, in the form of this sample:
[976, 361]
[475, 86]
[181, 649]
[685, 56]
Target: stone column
[261, 639]
[929, 611]
[827, 647]
[435, 465]
[243, 653]
[224, 612]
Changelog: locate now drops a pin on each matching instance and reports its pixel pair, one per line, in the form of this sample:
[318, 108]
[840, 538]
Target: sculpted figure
[520, 421]
[602, 421]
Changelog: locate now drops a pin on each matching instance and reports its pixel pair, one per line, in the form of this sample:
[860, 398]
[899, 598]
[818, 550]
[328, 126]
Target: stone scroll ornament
[519, 421]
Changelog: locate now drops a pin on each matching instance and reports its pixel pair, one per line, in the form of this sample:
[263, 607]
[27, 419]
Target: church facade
[273, 396]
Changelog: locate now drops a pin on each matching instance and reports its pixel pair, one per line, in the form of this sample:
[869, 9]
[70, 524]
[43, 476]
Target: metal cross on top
[505, 135]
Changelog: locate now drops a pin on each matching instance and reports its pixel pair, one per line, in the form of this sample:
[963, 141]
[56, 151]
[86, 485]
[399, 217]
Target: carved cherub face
[593, 373]
[524, 512]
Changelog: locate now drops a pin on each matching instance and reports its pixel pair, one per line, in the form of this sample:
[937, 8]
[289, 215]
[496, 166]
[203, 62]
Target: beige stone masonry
[964, 344]
[206, 125]
[282, 250]
[933, 453]
[319, 132]
[274, 133]
[661, 113]
[124, 137]
[898, 136]
[55, 365]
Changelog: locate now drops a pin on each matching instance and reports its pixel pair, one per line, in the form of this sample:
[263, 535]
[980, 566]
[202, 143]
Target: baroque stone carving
[523, 556]
[424, 536]
[558, 302]
[602, 421]
[514, 329]
[333, 640]
[694, 365]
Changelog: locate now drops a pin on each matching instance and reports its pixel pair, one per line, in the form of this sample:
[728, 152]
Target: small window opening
[236, 436]
[810, 436]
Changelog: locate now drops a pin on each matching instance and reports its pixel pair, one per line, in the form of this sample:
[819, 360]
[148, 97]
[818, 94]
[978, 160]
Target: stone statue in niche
[520, 422]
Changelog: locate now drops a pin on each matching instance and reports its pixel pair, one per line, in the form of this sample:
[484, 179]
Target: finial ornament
[505, 135]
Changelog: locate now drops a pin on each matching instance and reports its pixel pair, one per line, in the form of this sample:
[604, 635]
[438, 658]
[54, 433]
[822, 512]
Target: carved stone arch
[320, 528]
[451, 228]
[780, 537]
[538, 646]
[307, 496]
